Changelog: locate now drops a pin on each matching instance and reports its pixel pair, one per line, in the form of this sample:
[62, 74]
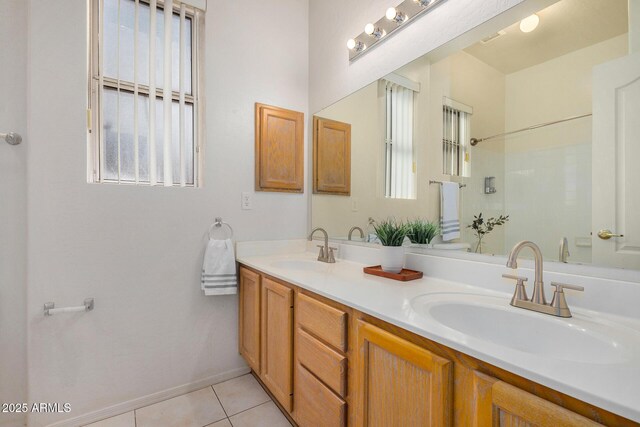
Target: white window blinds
[145, 92]
[400, 174]
[455, 139]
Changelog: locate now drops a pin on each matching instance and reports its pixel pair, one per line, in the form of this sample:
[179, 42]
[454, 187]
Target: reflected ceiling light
[371, 30]
[529, 23]
[393, 15]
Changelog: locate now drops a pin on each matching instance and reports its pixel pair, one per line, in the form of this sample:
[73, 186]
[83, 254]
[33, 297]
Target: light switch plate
[247, 201]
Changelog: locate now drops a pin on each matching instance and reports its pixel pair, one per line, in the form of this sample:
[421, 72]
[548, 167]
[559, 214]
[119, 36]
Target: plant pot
[392, 258]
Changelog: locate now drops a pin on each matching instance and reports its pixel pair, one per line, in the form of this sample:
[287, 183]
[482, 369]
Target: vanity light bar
[394, 19]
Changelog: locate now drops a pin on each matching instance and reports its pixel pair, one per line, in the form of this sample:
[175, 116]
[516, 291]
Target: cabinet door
[279, 149]
[497, 403]
[249, 318]
[331, 157]
[399, 383]
[277, 340]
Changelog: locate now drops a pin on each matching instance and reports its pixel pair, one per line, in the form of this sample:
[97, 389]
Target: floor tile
[265, 415]
[240, 394]
[194, 409]
[222, 423]
[124, 420]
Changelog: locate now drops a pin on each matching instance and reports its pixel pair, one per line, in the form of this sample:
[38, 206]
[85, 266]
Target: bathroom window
[145, 121]
[456, 131]
[400, 173]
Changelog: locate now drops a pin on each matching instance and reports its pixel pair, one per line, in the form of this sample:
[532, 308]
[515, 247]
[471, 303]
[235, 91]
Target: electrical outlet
[247, 201]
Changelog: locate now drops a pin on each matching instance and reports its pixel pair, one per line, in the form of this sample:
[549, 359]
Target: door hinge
[89, 119]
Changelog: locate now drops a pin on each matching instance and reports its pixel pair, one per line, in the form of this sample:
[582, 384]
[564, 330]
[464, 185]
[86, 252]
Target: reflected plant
[482, 227]
[422, 231]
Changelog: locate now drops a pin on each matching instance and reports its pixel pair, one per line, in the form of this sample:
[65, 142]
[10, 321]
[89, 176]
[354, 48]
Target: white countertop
[612, 386]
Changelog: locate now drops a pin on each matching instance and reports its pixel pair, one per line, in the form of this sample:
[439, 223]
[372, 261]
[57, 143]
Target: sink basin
[493, 320]
[300, 265]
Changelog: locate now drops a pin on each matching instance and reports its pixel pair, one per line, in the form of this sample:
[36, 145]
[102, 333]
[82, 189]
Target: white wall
[13, 184]
[137, 250]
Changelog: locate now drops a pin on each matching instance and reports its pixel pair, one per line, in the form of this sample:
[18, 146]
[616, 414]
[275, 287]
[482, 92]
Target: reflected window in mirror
[400, 167]
[456, 133]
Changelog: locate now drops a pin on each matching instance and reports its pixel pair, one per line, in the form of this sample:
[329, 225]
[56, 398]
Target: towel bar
[50, 310]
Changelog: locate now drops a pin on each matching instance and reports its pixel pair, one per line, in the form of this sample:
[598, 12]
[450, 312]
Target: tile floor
[240, 402]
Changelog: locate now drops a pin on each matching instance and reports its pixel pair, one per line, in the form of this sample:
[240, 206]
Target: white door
[616, 162]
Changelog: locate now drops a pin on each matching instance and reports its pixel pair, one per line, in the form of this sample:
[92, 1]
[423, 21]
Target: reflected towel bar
[440, 182]
[474, 141]
[50, 310]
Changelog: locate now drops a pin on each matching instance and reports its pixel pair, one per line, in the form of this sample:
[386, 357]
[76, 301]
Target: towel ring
[218, 223]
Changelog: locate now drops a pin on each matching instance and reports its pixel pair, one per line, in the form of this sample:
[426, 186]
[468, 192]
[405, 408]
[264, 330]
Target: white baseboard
[149, 399]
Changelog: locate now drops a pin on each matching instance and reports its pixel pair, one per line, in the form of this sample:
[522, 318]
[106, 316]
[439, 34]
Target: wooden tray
[404, 276]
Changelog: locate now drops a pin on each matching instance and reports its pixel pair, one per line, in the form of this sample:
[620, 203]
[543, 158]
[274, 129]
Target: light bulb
[369, 29]
[351, 43]
[529, 23]
[391, 13]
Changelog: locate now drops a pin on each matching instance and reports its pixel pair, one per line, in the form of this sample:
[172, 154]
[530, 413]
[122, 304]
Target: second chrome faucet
[326, 253]
[558, 306]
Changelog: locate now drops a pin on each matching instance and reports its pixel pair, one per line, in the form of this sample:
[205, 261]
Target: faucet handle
[321, 255]
[520, 293]
[561, 286]
[519, 279]
[331, 254]
[559, 303]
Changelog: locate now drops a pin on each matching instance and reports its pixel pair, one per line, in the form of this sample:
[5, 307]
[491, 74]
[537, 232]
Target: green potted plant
[422, 232]
[391, 235]
[482, 227]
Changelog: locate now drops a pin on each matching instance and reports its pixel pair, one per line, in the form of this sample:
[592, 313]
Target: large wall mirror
[538, 121]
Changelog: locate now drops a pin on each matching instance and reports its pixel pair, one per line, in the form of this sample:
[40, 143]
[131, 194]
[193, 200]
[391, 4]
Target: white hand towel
[219, 268]
[449, 220]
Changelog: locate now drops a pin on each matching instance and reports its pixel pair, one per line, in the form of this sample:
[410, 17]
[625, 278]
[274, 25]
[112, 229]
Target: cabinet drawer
[322, 320]
[315, 404]
[326, 364]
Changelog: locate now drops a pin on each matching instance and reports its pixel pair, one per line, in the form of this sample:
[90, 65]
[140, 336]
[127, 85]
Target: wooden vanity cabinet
[266, 332]
[321, 363]
[330, 365]
[398, 382]
[498, 403]
[249, 318]
[276, 350]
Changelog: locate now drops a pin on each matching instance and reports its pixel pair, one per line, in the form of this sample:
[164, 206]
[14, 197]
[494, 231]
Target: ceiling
[564, 27]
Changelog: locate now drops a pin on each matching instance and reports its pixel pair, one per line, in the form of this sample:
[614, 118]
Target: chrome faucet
[326, 253]
[564, 250]
[354, 229]
[558, 306]
[538, 285]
